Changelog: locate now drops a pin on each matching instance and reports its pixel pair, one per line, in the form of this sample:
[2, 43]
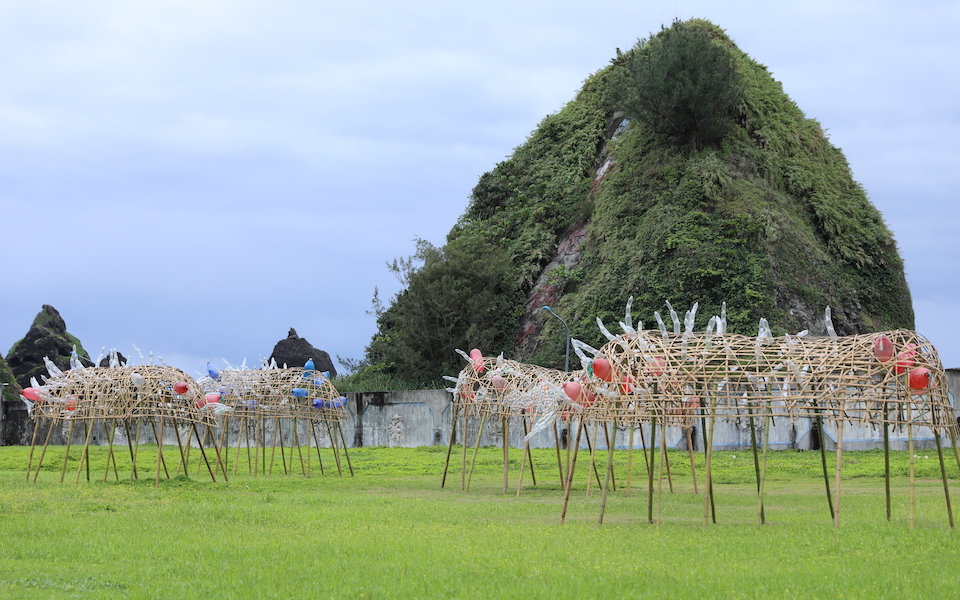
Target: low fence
[423, 418]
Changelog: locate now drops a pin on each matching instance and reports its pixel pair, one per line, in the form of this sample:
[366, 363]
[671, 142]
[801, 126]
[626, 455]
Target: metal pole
[566, 366]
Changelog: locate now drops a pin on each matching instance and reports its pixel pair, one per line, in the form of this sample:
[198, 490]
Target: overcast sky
[196, 178]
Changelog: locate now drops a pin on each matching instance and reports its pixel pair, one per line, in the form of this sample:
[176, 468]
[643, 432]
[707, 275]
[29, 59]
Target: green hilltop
[680, 173]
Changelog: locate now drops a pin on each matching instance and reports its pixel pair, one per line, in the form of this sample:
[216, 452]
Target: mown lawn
[390, 531]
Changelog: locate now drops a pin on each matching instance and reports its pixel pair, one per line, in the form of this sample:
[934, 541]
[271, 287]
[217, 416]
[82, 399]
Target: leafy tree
[681, 83]
[457, 298]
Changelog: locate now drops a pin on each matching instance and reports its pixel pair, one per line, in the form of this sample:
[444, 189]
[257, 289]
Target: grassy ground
[392, 532]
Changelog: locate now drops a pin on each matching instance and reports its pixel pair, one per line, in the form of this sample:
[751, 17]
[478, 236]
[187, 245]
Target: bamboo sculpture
[661, 379]
[282, 405]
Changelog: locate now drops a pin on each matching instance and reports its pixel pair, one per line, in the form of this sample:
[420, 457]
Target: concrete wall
[422, 418]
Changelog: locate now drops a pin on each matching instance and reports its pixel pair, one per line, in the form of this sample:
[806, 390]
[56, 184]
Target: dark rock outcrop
[11, 391]
[47, 337]
[294, 351]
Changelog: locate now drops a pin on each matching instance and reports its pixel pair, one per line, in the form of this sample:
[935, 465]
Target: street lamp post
[566, 366]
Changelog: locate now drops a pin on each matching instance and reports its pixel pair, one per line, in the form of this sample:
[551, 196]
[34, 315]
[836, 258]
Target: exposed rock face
[295, 351]
[11, 390]
[47, 337]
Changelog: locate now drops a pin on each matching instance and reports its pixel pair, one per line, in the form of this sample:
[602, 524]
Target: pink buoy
[477, 357]
[31, 393]
[602, 369]
[212, 398]
[573, 390]
[883, 349]
[625, 382]
[499, 383]
[200, 403]
[181, 387]
[70, 404]
[919, 380]
[657, 365]
[905, 359]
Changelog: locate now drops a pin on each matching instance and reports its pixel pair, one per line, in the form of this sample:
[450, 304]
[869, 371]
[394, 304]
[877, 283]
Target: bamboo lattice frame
[680, 377]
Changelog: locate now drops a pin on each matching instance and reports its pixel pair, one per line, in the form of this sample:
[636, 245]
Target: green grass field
[392, 532]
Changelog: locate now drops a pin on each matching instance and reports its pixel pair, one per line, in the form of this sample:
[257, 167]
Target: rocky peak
[47, 338]
[294, 351]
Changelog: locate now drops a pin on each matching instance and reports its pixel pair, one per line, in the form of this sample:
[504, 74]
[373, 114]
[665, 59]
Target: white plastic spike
[52, 369]
[722, 329]
[676, 319]
[690, 317]
[828, 321]
[661, 325]
[606, 333]
[627, 318]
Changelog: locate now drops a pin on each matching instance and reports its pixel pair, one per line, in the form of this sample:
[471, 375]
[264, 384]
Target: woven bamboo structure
[279, 408]
[124, 398]
[271, 404]
[886, 380]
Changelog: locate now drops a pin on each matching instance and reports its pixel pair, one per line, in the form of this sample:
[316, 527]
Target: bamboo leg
[66, 454]
[910, 451]
[650, 473]
[708, 503]
[556, 438]
[203, 452]
[761, 515]
[505, 430]
[836, 502]
[592, 445]
[943, 475]
[463, 451]
[133, 455]
[526, 449]
[570, 470]
[44, 451]
[84, 456]
[296, 441]
[224, 442]
[346, 451]
[476, 448]
[661, 466]
[333, 446]
[184, 454]
[693, 463]
[316, 439]
[523, 467]
[606, 431]
[106, 471]
[607, 478]
[630, 459]
[886, 457]
[756, 465]
[33, 444]
[453, 436]
[823, 463]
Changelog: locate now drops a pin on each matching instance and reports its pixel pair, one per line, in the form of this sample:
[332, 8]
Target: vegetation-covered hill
[680, 173]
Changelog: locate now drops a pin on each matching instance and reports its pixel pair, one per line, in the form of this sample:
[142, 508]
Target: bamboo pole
[33, 444]
[476, 448]
[886, 456]
[505, 430]
[570, 470]
[66, 454]
[453, 436]
[943, 475]
[836, 502]
[608, 478]
[44, 451]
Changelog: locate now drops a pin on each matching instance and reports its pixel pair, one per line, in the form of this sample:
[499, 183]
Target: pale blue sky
[195, 178]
